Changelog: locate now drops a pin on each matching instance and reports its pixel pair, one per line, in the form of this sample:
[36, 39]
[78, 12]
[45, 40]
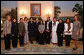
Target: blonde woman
[7, 32]
[76, 31]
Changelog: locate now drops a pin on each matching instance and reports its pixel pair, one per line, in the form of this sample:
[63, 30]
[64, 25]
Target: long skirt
[41, 38]
[54, 37]
[26, 37]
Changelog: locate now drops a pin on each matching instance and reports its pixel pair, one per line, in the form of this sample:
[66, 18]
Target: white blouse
[66, 29]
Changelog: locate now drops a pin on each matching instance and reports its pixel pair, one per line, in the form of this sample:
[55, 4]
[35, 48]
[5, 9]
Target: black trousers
[7, 41]
[47, 37]
[14, 41]
[31, 37]
[60, 40]
[21, 40]
[67, 39]
[37, 36]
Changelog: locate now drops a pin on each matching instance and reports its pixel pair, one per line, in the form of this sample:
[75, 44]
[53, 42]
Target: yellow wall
[46, 6]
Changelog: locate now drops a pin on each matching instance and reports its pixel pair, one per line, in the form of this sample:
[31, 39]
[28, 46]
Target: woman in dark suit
[31, 29]
[60, 30]
[14, 31]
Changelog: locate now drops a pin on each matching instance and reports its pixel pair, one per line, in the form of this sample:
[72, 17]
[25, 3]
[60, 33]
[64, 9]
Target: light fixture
[23, 12]
[48, 11]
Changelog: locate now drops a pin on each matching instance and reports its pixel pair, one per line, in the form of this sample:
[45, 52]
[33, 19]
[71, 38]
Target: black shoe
[14, 47]
[8, 49]
[21, 45]
[74, 49]
[31, 42]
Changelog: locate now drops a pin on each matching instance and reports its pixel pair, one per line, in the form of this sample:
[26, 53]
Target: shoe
[8, 49]
[31, 42]
[74, 48]
[67, 46]
[22, 45]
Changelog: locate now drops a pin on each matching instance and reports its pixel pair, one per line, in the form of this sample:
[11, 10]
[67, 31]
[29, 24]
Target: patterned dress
[76, 28]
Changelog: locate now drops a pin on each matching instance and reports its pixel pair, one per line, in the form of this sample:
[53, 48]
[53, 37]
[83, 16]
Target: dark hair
[21, 18]
[55, 18]
[60, 19]
[48, 17]
[14, 18]
[36, 17]
[8, 16]
[69, 20]
[30, 18]
[25, 18]
[40, 22]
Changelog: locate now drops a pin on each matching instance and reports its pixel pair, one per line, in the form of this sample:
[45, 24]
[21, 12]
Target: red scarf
[68, 26]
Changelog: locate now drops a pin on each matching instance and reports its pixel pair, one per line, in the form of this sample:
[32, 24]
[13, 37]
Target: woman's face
[25, 19]
[60, 21]
[14, 20]
[68, 20]
[76, 18]
[31, 19]
[54, 19]
[21, 20]
[9, 18]
[41, 22]
[36, 19]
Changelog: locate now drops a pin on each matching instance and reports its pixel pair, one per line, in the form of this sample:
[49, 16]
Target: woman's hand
[61, 34]
[46, 30]
[41, 32]
[67, 31]
[12, 34]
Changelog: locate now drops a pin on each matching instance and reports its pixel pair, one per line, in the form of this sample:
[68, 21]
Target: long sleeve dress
[54, 35]
[76, 28]
[26, 37]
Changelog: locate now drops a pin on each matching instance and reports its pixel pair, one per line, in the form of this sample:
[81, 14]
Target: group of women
[41, 32]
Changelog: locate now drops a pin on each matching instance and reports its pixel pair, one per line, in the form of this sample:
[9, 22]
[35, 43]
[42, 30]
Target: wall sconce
[1, 21]
[23, 12]
[48, 12]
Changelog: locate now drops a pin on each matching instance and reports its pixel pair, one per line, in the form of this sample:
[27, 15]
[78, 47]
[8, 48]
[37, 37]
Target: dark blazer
[14, 28]
[60, 28]
[36, 26]
[49, 25]
[31, 27]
